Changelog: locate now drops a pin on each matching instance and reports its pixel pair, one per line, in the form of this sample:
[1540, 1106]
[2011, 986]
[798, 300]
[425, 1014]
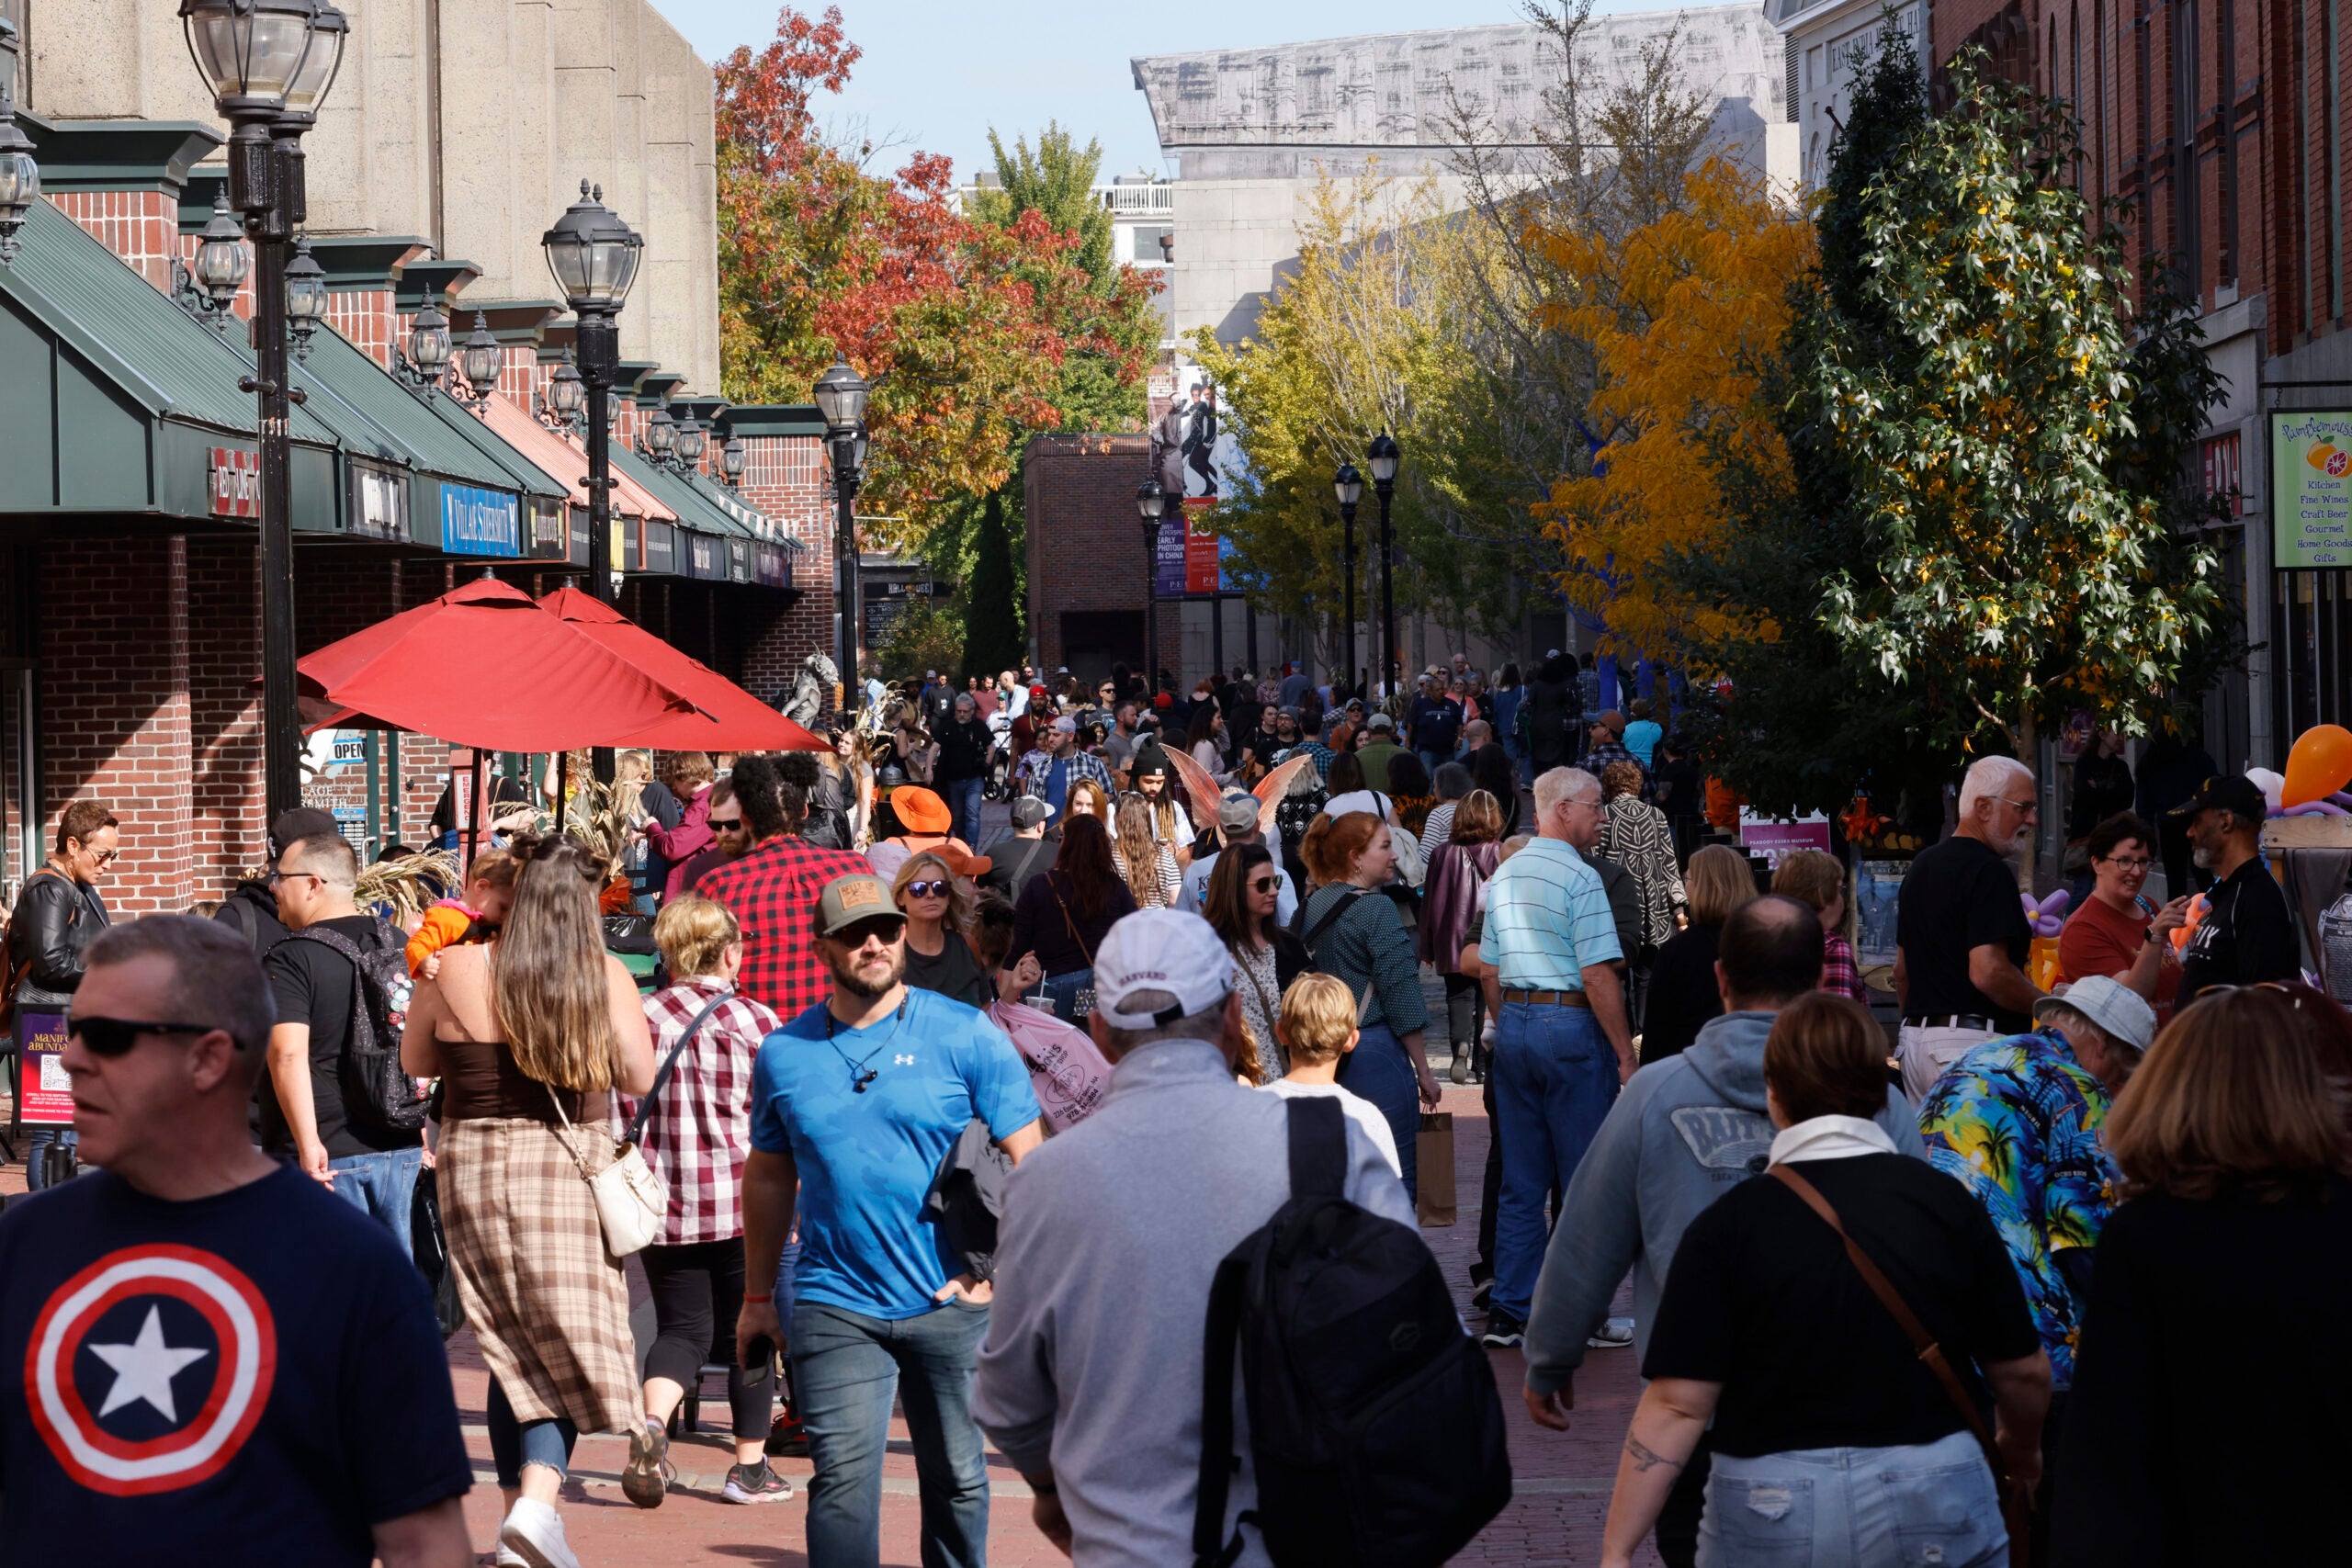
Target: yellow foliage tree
[1681, 314]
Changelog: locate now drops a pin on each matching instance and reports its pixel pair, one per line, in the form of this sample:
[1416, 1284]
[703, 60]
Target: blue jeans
[513, 1444]
[38, 1139]
[964, 800]
[1929, 1503]
[383, 1185]
[1556, 1077]
[1379, 1071]
[846, 1367]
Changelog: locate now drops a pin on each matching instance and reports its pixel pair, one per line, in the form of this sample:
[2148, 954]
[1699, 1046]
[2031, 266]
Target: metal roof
[694, 510]
[380, 418]
[160, 357]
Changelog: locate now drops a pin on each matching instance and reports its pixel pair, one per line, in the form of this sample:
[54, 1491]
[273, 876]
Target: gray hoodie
[1684, 1132]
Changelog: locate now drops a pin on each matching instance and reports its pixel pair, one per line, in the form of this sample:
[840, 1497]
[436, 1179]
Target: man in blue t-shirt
[854, 1105]
[206, 1356]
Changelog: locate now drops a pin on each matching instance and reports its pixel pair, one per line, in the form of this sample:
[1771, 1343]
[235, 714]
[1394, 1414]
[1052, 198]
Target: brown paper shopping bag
[1433, 1160]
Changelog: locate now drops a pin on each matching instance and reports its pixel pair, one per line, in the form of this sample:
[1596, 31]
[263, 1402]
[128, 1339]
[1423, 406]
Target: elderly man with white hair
[1961, 936]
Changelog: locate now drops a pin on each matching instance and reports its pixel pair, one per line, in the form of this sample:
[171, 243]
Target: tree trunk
[2027, 747]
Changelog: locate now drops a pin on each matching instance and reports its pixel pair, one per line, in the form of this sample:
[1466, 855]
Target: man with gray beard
[1961, 936]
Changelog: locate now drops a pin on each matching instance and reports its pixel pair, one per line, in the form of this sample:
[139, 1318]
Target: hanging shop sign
[739, 560]
[2311, 490]
[377, 501]
[547, 528]
[660, 546]
[236, 482]
[480, 522]
[704, 555]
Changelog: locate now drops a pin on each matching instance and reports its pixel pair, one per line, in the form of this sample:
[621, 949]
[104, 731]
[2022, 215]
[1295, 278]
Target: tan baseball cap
[853, 900]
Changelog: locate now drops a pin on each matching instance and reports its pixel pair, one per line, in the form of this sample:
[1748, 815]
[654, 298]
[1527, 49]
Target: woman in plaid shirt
[696, 1138]
[1817, 880]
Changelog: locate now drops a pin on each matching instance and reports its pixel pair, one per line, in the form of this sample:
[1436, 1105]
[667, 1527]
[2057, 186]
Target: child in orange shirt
[476, 917]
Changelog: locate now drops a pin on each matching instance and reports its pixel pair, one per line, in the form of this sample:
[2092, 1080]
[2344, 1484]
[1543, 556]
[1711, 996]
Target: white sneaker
[534, 1532]
[506, 1559]
[1615, 1332]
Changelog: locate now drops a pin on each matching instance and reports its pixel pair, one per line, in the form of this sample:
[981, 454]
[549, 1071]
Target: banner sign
[236, 482]
[480, 522]
[660, 546]
[1772, 840]
[739, 560]
[704, 555]
[1203, 566]
[1167, 560]
[49, 1093]
[2311, 490]
[379, 500]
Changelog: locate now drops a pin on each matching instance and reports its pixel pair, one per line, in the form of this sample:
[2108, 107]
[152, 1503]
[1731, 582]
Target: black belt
[1950, 1021]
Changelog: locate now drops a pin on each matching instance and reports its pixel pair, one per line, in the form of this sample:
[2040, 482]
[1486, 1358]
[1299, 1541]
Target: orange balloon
[2183, 932]
[2320, 764]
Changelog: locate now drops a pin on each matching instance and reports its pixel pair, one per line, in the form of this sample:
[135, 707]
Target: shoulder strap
[1883, 1289]
[1210, 1548]
[1338, 907]
[1319, 1147]
[645, 1106]
[1084, 951]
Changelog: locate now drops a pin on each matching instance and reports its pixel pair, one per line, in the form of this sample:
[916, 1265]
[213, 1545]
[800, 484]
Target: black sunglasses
[928, 889]
[114, 1036]
[1264, 884]
[724, 824]
[889, 928]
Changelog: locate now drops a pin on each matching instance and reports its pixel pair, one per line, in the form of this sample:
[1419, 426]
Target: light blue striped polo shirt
[1547, 920]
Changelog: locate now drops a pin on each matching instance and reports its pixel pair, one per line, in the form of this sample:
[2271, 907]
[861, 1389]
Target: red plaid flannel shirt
[700, 1130]
[773, 894]
[1838, 973]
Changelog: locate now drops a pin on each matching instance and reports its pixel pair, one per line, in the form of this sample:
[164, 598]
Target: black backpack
[1376, 1431]
[376, 1091]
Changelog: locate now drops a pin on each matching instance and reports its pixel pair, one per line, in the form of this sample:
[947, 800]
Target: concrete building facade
[1820, 41]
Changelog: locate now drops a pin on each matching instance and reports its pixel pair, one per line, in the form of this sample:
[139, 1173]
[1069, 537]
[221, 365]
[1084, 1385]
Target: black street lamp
[1151, 505]
[662, 436]
[480, 363]
[730, 459]
[1348, 485]
[1382, 456]
[221, 263]
[593, 256]
[306, 298]
[692, 443]
[268, 64]
[841, 395]
[566, 399]
[427, 358]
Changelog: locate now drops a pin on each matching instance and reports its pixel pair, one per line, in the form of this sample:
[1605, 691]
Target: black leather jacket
[56, 919]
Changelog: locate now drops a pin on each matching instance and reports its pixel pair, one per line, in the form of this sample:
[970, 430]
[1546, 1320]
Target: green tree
[1980, 530]
[991, 596]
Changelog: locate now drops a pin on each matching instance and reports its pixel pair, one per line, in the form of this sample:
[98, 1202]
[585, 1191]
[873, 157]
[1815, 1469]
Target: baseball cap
[2226, 791]
[2122, 1014]
[302, 822]
[1170, 951]
[846, 900]
[1066, 724]
[1612, 721]
[1380, 721]
[1029, 811]
[1237, 812]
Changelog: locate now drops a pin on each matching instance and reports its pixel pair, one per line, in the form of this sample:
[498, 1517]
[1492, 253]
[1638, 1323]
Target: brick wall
[143, 227]
[1085, 548]
[366, 318]
[224, 741]
[789, 478]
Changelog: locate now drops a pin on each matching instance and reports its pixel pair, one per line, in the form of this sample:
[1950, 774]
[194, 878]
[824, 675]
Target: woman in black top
[938, 911]
[1683, 995]
[1835, 1445]
[1063, 914]
[2183, 1446]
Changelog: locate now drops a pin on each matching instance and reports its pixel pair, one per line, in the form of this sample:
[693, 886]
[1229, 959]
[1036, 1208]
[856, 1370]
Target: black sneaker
[646, 1479]
[756, 1483]
[1503, 1331]
[1482, 1295]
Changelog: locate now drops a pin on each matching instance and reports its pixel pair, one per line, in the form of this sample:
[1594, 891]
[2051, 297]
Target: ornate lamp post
[1151, 505]
[731, 460]
[306, 298]
[221, 263]
[20, 174]
[268, 64]
[662, 436]
[692, 443]
[594, 256]
[480, 363]
[1381, 455]
[841, 394]
[566, 399]
[1348, 485]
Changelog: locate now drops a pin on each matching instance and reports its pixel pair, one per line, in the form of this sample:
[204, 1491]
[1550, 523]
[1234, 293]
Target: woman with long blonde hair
[1146, 861]
[529, 1035]
[938, 907]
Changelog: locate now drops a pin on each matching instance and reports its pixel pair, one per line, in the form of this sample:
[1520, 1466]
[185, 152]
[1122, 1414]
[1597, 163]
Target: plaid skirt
[547, 1303]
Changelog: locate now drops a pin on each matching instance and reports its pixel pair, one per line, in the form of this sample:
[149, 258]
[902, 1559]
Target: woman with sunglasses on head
[530, 1034]
[59, 913]
[1242, 894]
[2117, 931]
[939, 914]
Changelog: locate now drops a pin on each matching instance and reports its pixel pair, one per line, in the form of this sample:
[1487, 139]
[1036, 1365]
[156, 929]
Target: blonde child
[475, 916]
[1317, 1026]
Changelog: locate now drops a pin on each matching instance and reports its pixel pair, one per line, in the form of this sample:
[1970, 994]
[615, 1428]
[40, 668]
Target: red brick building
[1087, 578]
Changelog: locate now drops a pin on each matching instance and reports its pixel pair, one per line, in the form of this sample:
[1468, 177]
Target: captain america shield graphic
[147, 1370]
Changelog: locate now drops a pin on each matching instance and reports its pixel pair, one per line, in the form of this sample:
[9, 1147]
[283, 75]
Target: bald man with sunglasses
[204, 1356]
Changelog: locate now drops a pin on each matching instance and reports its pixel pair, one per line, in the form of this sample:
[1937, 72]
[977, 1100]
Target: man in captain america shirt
[205, 1356]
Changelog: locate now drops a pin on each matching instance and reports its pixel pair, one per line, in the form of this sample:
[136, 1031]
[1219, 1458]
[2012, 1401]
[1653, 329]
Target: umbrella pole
[562, 788]
[473, 818]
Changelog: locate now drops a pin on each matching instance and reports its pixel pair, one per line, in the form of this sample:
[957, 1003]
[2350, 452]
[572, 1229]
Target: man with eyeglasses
[203, 1357]
[1961, 936]
[856, 1103]
[59, 913]
[308, 1113]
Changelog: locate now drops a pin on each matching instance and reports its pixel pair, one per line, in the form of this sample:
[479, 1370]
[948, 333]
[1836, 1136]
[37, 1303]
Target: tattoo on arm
[1646, 1458]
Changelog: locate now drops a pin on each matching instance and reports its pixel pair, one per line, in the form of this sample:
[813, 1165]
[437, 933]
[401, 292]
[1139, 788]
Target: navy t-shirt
[253, 1377]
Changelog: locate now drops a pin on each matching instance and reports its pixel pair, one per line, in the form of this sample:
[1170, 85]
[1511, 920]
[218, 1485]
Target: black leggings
[1463, 1003]
[697, 1292]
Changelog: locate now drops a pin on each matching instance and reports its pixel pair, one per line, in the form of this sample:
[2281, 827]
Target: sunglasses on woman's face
[1264, 884]
[115, 1037]
[928, 889]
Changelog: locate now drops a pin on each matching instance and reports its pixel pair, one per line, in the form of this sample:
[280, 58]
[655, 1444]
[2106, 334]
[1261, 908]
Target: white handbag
[630, 1199]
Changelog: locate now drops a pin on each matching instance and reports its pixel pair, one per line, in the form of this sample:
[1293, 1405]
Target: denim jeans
[1556, 1077]
[1433, 760]
[513, 1444]
[1929, 1503]
[1379, 1071]
[845, 1367]
[383, 1185]
[964, 800]
[37, 1142]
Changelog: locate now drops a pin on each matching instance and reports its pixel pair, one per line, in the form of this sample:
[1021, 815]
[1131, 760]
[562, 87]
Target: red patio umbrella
[729, 717]
[484, 666]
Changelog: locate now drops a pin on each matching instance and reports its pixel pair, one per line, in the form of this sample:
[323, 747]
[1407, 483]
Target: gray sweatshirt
[1684, 1132]
[1110, 1236]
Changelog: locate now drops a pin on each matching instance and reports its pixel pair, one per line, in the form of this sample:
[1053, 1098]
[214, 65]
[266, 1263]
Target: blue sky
[936, 76]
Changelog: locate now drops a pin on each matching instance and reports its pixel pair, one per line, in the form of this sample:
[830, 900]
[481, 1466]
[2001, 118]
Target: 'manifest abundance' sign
[2311, 490]
[236, 482]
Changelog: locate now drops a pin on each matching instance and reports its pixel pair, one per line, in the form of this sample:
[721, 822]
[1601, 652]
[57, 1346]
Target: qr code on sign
[54, 1077]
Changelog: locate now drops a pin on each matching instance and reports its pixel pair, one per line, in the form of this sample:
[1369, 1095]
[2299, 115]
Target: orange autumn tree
[1681, 314]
